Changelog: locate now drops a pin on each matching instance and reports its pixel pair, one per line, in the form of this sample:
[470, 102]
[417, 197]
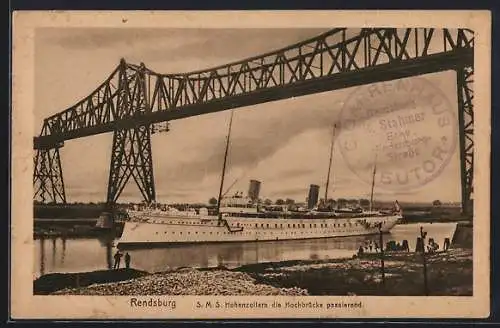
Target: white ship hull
[208, 229]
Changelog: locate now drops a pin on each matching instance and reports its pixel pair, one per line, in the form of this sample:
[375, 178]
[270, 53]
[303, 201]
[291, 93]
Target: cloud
[98, 38]
[175, 50]
[220, 44]
[257, 135]
[294, 172]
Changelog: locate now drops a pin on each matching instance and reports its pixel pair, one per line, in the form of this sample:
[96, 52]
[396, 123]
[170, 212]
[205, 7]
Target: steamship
[241, 219]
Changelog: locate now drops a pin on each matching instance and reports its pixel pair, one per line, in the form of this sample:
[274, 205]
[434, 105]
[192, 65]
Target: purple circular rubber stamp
[404, 130]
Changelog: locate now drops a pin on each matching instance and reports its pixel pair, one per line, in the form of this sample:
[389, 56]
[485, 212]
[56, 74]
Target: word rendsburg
[152, 302]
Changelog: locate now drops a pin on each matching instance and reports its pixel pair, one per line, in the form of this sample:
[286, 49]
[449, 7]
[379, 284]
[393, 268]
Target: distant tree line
[340, 202]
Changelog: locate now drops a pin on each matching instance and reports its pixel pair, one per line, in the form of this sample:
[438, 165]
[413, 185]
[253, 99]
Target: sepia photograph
[299, 167]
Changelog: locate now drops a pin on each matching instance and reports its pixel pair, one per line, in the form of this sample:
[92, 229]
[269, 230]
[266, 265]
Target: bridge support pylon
[465, 77]
[48, 180]
[131, 157]
[131, 154]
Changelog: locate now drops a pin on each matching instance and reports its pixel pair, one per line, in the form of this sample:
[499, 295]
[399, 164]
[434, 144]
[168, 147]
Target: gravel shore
[186, 282]
[448, 274]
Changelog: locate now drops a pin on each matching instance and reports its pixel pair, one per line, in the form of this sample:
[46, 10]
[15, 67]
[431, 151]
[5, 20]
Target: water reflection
[54, 249]
[107, 243]
[73, 255]
[42, 256]
[63, 250]
[236, 254]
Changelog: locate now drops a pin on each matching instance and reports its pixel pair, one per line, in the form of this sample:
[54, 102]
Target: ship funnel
[254, 190]
[312, 199]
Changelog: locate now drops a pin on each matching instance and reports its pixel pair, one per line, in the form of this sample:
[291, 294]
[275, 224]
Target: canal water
[77, 255]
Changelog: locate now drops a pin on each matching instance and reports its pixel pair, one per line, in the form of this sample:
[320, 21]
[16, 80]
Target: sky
[284, 144]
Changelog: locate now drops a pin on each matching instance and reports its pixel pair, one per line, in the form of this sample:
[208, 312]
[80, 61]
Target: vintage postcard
[217, 165]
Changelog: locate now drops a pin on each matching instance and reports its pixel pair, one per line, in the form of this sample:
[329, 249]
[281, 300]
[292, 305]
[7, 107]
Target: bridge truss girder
[331, 61]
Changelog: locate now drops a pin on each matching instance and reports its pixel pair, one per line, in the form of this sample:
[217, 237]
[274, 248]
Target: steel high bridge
[134, 98]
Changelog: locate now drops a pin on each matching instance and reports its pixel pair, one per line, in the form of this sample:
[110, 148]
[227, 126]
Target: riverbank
[74, 228]
[448, 273]
[54, 282]
[66, 211]
[410, 219]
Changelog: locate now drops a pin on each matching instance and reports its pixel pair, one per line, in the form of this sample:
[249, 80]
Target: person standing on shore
[405, 246]
[127, 260]
[118, 257]
[446, 245]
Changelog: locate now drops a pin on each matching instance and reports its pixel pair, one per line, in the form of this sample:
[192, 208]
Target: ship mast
[330, 164]
[224, 165]
[373, 183]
